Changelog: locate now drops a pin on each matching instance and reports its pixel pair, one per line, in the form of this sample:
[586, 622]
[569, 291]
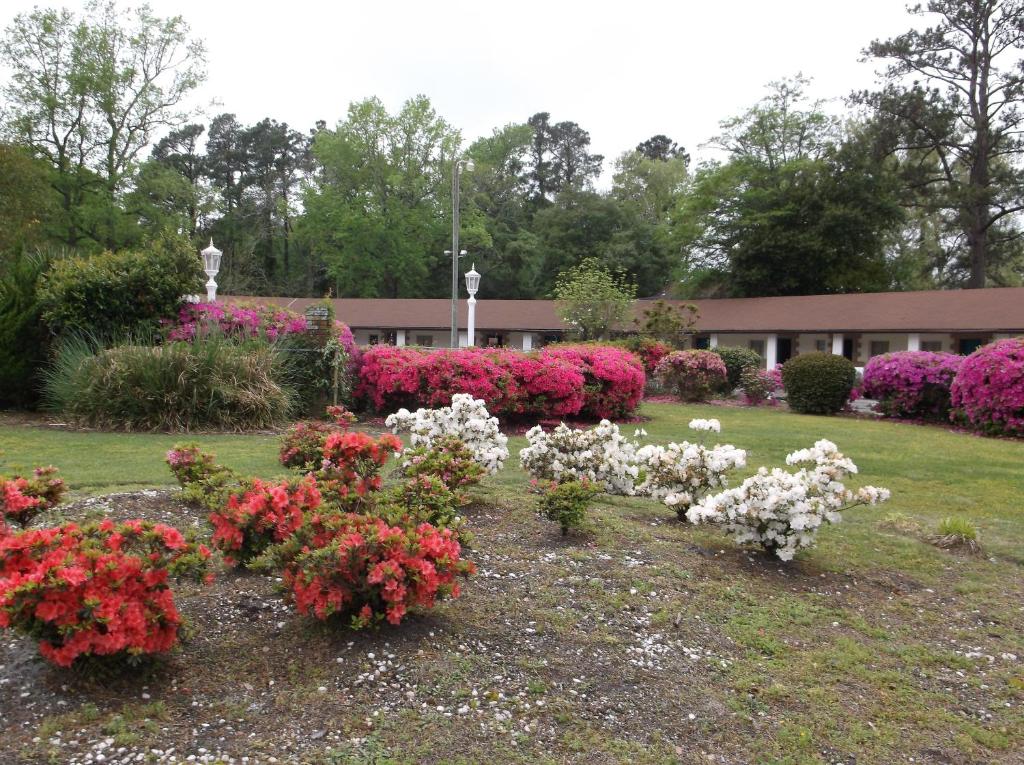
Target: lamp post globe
[472, 285]
[211, 265]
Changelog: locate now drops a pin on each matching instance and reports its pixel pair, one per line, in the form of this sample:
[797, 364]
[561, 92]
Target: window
[878, 347]
[374, 339]
[426, 341]
[757, 346]
[968, 345]
[821, 346]
[702, 342]
[934, 346]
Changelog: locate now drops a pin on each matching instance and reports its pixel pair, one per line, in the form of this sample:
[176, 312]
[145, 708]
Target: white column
[914, 341]
[463, 338]
[771, 351]
[471, 324]
[713, 340]
[400, 337]
[837, 344]
[527, 341]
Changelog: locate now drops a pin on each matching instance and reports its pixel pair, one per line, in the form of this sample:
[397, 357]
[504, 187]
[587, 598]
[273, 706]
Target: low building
[857, 326]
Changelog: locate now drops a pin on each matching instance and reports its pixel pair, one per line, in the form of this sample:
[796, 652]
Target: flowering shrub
[601, 454]
[422, 499]
[759, 385]
[682, 474]
[613, 378]
[693, 375]
[21, 498]
[351, 465]
[737, 360]
[567, 503]
[467, 419]
[649, 351]
[911, 383]
[202, 480]
[303, 443]
[988, 390]
[265, 513]
[240, 320]
[96, 590]
[359, 566]
[562, 381]
[782, 511]
[447, 459]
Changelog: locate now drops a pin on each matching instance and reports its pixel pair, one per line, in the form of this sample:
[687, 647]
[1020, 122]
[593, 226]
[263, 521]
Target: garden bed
[640, 640]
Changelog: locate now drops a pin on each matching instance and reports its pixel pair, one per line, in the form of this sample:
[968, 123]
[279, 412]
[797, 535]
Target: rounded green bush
[737, 361]
[818, 383]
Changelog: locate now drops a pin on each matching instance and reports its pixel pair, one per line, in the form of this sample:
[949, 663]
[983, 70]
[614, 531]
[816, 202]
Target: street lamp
[472, 285]
[211, 265]
[456, 172]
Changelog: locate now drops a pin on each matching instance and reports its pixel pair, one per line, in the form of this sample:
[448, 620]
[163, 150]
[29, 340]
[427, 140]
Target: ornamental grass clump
[567, 503]
[782, 511]
[988, 391]
[913, 384]
[362, 569]
[956, 533]
[96, 590]
[692, 375]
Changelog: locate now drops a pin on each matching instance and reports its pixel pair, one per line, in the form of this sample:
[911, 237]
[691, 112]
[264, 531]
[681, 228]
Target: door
[783, 350]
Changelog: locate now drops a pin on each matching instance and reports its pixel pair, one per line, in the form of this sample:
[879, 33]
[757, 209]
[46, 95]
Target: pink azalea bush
[567, 381]
[759, 384]
[911, 383]
[988, 390]
[693, 375]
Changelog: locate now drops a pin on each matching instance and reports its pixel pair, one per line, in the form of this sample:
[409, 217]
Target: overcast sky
[624, 70]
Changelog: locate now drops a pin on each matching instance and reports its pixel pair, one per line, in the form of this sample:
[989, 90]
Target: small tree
[668, 323]
[592, 299]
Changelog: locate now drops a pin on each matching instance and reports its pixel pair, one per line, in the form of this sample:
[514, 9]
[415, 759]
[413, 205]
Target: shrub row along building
[856, 326]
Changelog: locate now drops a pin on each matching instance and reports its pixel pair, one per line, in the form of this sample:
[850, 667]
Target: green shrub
[23, 338]
[818, 383]
[206, 384]
[955, 532]
[737, 361]
[567, 503]
[105, 295]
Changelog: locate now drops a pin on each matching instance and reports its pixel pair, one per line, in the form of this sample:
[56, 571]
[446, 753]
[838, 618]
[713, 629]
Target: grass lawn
[639, 640]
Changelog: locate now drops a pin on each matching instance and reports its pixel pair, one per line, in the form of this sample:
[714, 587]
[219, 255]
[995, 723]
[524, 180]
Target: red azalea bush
[649, 351]
[587, 380]
[265, 513]
[911, 383]
[21, 498]
[96, 590]
[988, 390]
[360, 566]
[303, 443]
[352, 463]
[613, 377]
[693, 375]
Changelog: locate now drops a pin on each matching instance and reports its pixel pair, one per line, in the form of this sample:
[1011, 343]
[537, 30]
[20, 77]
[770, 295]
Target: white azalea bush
[782, 511]
[601, 455]
[681, 472]
[466, 419]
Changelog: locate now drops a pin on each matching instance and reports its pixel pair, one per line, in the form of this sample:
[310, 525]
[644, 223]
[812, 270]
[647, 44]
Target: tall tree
[953, 93]
[560, 158]
[377, 206]
[87, 94]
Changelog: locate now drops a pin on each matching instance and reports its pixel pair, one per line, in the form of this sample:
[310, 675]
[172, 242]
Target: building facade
[857, 326]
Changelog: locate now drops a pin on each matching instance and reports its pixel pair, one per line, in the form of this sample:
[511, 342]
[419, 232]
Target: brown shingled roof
[992, 310]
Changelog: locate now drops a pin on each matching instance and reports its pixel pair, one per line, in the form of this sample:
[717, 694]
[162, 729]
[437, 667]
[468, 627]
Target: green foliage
[593, 300]
[818, 383]
[23, 338]
[567, 503]
[209, 383]
[737, 361]
[108, 294]
[26, 199]
[667, 323]
[959, 526]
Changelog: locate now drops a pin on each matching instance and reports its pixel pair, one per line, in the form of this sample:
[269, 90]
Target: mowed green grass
[873, 647]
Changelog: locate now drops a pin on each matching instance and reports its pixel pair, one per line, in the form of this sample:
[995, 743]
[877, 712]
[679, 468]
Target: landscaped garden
[633, 637]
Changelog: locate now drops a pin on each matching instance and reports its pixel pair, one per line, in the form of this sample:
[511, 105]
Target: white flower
[710, 426]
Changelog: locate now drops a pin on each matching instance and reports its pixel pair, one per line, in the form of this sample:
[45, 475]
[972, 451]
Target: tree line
[916, 184]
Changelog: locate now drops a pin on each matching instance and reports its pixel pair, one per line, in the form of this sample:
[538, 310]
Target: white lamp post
[211, 264]
[472, 285]
[457, 168]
